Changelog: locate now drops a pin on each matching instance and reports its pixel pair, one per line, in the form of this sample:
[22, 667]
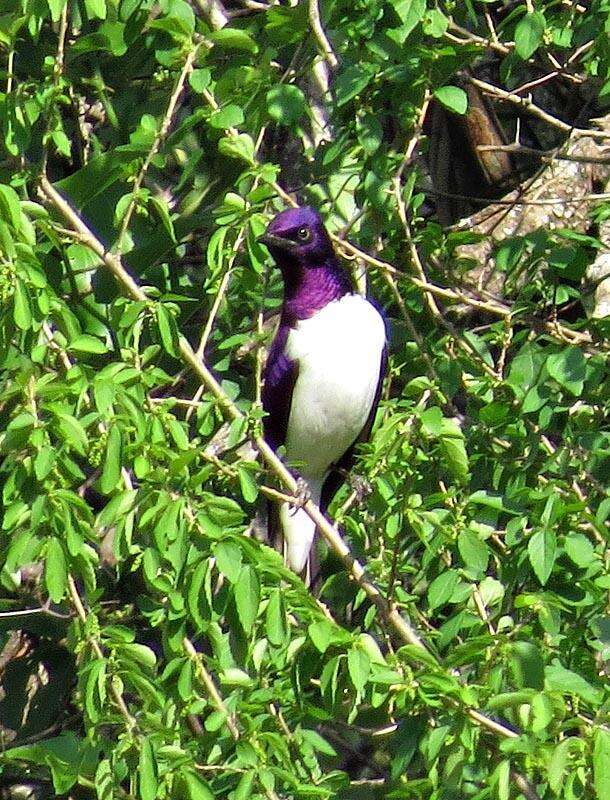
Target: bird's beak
[270, 240]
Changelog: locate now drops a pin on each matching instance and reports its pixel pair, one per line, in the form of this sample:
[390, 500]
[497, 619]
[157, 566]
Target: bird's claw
[360, 485]
[302, 494]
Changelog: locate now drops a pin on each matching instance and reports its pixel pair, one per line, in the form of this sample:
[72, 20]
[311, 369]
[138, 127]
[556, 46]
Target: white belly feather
[339, 352]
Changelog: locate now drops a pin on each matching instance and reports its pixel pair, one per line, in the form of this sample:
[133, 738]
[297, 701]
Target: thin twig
[210, 686]
[546, 155]
[9, 71]
[95, 646]
[535, 111]
[58, 67]
[159, 138]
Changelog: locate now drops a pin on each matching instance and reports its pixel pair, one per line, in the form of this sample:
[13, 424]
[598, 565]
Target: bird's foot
[360, 485]
[302, 495]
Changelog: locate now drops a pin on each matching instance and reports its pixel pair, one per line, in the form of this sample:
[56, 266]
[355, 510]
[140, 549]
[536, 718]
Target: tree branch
[324, 44]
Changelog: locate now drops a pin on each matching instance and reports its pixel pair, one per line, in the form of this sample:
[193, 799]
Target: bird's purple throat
[312, 274]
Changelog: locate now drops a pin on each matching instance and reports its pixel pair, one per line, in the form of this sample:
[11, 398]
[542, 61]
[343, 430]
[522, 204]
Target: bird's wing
[281, 374]
[337, 475]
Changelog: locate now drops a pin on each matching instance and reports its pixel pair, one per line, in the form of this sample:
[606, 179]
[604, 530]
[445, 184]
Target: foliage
[203, 667]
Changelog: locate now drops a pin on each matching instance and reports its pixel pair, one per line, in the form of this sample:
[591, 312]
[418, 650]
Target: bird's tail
[298, 531]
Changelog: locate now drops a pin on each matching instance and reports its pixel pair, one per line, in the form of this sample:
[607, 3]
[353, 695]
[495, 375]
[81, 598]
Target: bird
[323, 376]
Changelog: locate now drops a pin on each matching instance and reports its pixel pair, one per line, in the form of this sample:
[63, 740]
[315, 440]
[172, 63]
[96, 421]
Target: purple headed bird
[324, 372]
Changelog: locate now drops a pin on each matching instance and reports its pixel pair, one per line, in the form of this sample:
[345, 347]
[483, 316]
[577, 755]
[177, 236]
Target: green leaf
[432, 421]
[525, 368]
[200, 79]
[473, 551]
[318, 743]
[228, 559]
[502, 775]
[453, 98]
[601, 764]
[559, 762]
[247, 483]
[72, 432]
[579, 549]
[95, 690]
[275, 619]
[435, 23]
[44, 461]
[526, 665]
[84, 343]
[10, 207]
[411, 13]
[455, 456]
[370, 133]
[234, 39]
[247, 597]
[542, 712]
[351, 81]
[286, 104]
[568, 368]
[168, 330]
[542, 549]
[22, 313]
[442, 588]
[56, 7]
[62, 143]
[359, 667]
[104, 396]
[560, 679]
[244, 787]
[228, 117]
[56, 570]
[240, 146]
[147, 771]
[196, 787]
[111, 472]
[324, 633]
[528, 34]
[96, 8]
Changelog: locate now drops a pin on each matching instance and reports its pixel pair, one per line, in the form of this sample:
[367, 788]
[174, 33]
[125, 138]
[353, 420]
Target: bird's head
[298, 236]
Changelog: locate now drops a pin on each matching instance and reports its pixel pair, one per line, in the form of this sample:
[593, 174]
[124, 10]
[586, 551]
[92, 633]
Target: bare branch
[536, 111]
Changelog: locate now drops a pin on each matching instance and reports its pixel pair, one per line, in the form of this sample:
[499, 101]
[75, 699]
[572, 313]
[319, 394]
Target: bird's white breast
[339, 351]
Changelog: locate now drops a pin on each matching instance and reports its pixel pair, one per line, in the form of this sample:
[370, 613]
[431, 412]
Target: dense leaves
[203, 667]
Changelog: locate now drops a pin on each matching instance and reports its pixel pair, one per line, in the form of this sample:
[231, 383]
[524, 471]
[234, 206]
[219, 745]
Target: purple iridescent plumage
[324, 371]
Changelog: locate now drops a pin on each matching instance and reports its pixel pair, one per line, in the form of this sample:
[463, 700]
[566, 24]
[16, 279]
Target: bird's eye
[303, 234]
